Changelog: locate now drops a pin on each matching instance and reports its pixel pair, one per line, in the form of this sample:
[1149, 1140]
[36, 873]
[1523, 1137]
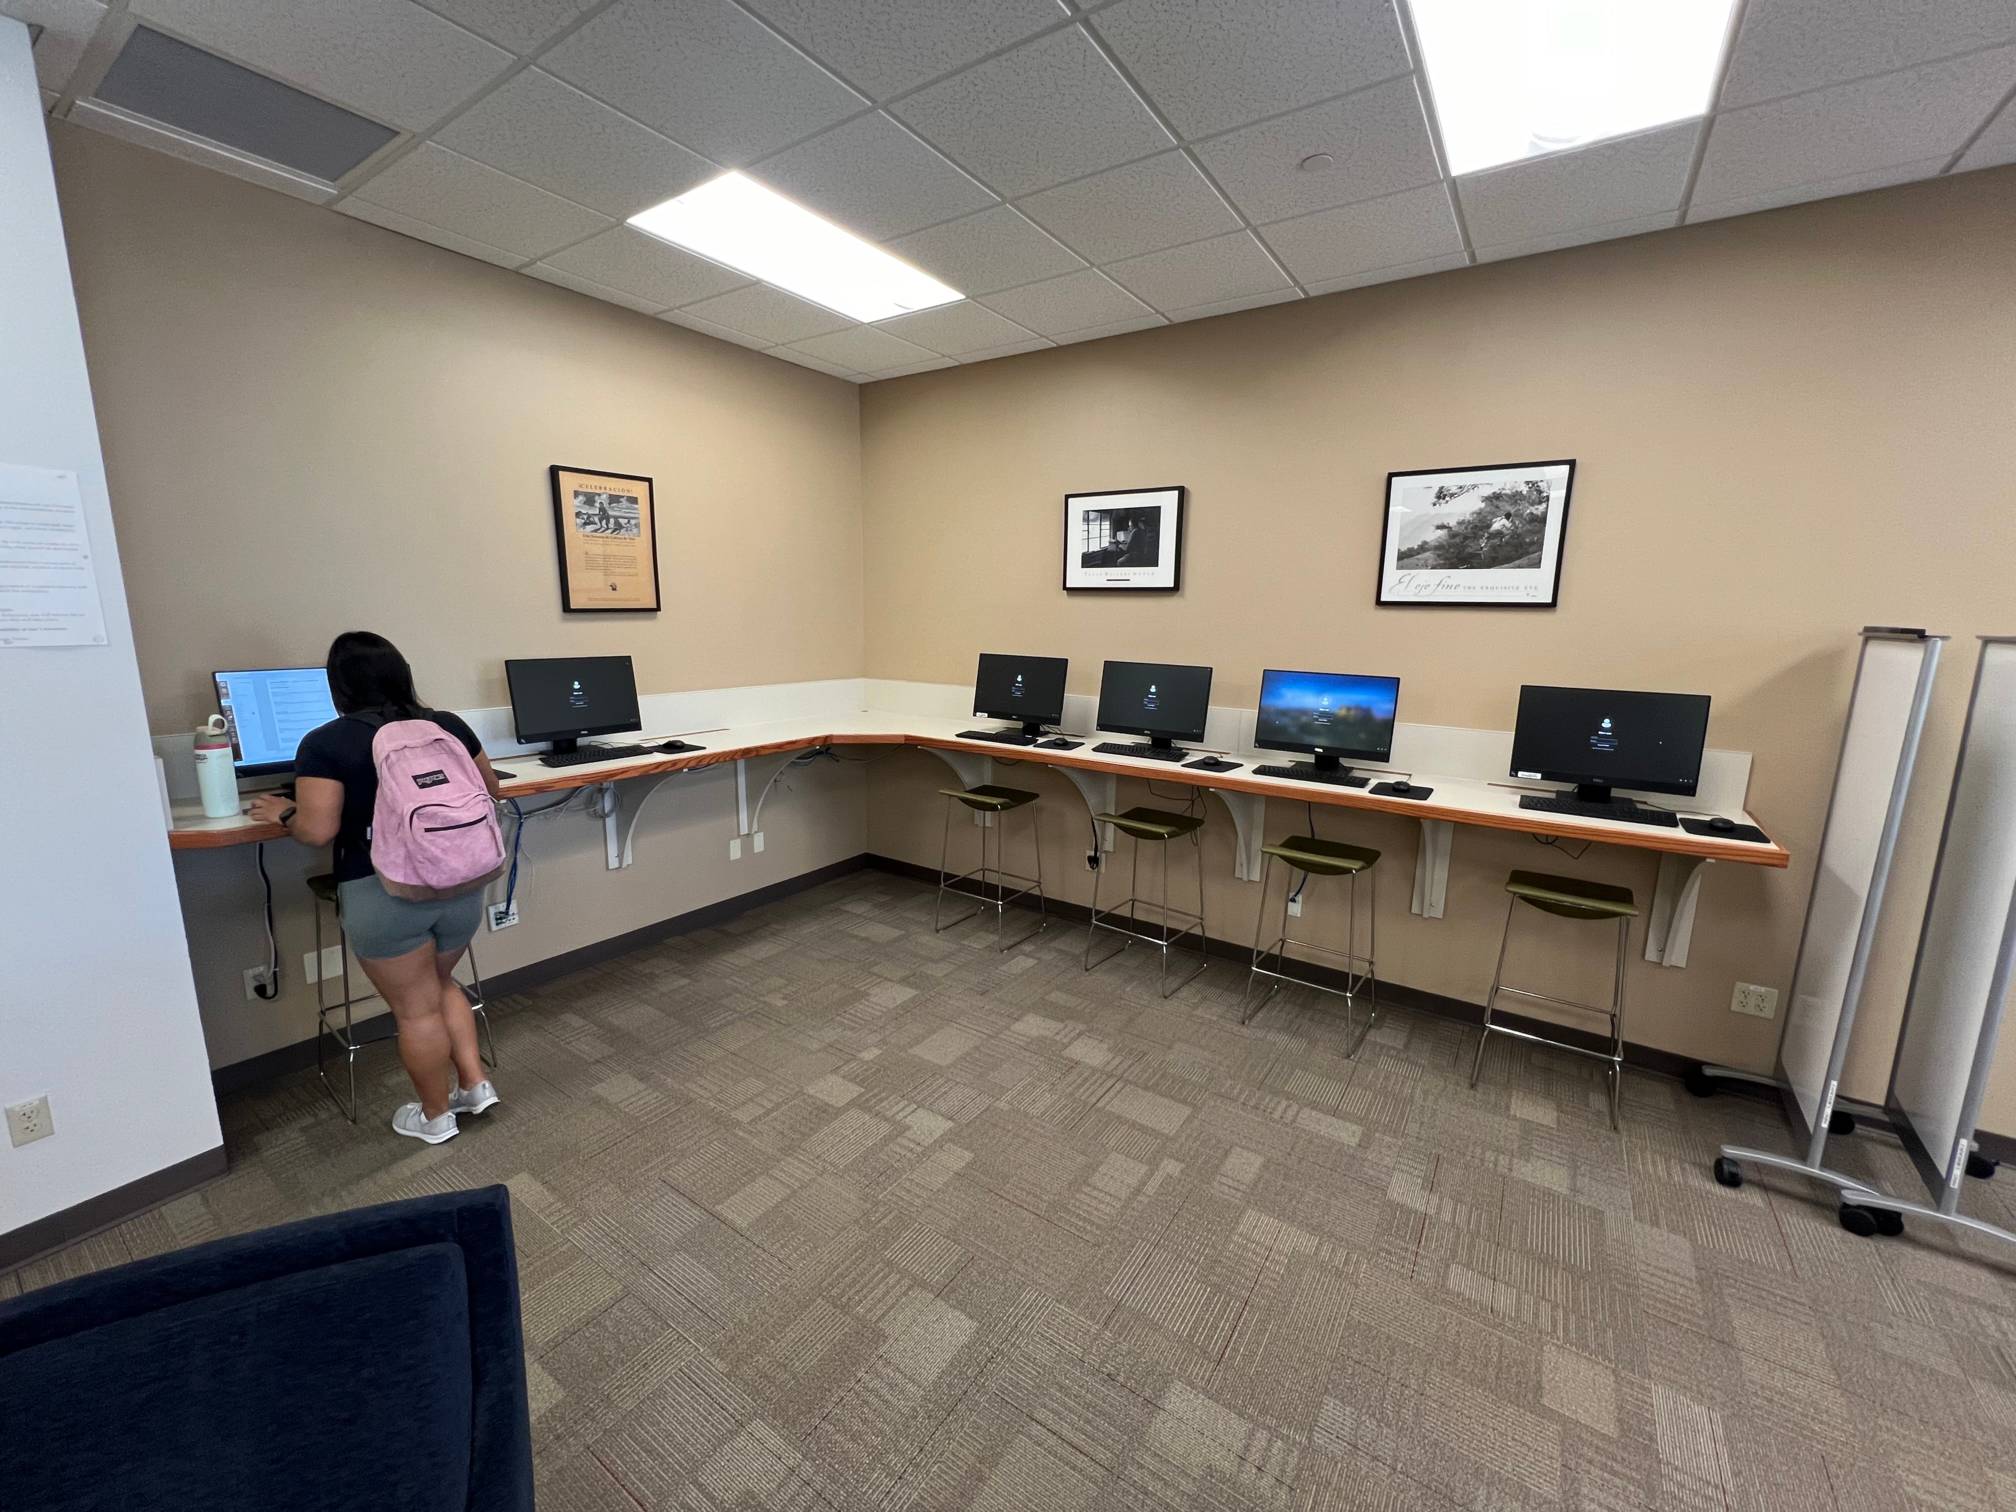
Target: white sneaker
[408, 1121]
[480, 1098]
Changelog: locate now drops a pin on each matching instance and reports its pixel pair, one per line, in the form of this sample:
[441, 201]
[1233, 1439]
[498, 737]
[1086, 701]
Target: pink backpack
[434, 830]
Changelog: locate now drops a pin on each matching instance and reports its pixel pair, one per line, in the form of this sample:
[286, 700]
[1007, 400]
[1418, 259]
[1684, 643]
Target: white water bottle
[216, 777]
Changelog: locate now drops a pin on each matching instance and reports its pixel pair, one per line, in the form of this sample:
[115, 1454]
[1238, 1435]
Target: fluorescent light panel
[755, 230]
[1517, 78]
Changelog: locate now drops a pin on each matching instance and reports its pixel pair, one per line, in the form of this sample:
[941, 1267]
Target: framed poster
[606, 525]
[1476, 535]
[1124, 539]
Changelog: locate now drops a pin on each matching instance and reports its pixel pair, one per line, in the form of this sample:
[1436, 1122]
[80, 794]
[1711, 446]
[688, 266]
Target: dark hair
[367, 672]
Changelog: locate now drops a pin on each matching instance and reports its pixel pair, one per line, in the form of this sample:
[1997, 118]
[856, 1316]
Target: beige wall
[1788, 426]
[312, 424]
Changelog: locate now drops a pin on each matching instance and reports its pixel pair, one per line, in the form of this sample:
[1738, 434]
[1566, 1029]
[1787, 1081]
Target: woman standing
[407, 948]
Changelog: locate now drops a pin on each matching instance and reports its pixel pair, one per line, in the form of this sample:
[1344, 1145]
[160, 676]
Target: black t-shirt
[341, 751]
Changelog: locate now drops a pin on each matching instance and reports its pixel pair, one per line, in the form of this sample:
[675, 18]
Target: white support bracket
[1670, 927]
[1431, 867]
[741, 796]
[1249, 821]
[620, 857]
[1101, 792]
[614, 844]
[972, 769]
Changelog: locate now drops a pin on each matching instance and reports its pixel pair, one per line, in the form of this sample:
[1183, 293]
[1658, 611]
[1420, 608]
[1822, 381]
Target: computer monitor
[1166, 703]
[563, 698]
[1335, 716]
[1029, 689]
[1599, 738]
[268, 710]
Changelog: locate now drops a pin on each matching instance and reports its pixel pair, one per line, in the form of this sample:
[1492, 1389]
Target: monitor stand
[1033, 728]
[1599, 794]
[1325, 768]
[1159, 743]
[565, 747]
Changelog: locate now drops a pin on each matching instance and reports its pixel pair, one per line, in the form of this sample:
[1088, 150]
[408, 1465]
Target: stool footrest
[1558, 1002]
[1604, 1056]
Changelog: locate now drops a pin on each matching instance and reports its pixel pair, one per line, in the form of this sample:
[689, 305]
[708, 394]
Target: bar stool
[1314, 856]
[991, 800]
[1159, 827]
[1566, 898]
[324, 890]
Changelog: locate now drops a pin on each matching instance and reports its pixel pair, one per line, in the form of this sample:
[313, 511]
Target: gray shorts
[380, 925]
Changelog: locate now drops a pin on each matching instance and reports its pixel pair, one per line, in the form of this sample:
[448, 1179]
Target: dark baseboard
[19, 1246]
[300, 1055]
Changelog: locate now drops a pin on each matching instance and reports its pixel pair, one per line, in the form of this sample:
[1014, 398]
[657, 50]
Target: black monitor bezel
[526, 737]
[1349, 753]
[1016, 715]
[1170, 736]
[1596, 779]
[257, 768]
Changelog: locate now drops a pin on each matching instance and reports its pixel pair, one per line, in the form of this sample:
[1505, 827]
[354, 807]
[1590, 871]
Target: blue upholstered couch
[369, 1361]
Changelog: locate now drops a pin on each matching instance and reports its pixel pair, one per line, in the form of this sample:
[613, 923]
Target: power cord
[269, 989]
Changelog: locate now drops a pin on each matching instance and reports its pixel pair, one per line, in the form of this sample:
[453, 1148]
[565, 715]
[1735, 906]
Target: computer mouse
[1401, 787]
[1720, 825]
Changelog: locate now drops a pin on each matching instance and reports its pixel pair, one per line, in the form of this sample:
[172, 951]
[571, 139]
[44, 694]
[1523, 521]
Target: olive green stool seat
[1589, 902]
[990, 885]
[326, 892]
[1314, 856]
[1148, 826]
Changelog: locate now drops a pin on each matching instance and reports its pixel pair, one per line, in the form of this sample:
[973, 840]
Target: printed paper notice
[48, 580]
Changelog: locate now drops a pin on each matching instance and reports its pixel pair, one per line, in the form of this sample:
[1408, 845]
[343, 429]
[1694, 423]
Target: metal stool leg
[474, 992]
[1369, 977]
[1491, 997]
[1616, 1066]
[1259, 926]
[938, 924]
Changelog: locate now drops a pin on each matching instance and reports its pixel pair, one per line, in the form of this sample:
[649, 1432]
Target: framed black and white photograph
[1476, 535]
[1124, 539]
[606, 526]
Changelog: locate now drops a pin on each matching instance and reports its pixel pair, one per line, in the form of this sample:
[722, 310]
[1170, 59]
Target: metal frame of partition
[1964, 965]
[1798, 1092]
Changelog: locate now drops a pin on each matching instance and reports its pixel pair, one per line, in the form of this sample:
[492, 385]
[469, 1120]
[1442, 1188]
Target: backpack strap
[377, 719]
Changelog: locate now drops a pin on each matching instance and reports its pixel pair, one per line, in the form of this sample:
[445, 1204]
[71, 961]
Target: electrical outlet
[503, 915]
[29, 1121]
[255, 978]
[756, 842]
[1758, 1002]
[328, 964]
[735, 849]
[1294, 908]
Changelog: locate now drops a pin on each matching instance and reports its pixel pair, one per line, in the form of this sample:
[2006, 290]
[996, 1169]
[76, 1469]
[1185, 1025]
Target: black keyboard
[584, 754]
[1142, 749]
[1304, 772]
[999, 737]
[1618, 808]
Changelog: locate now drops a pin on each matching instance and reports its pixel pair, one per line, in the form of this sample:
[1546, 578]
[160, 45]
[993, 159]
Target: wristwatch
[288, 817]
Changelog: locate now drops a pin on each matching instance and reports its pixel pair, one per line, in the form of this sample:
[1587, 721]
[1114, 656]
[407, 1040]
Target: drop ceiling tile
[995, 249]
[693, 322]
[1778, 199]
[1013, 349]
[459, 194]
[831, 369]
[405, 225]
[1070, 303]
[865, 349]
[1207, 272]
[547, 273]
[1995, 145]
[521, 25]
[548, 133]
[1124, 212]
[1371, 276]
[647, 268]
[1378, 138]
[931, 366]
[1233, 306]
[1852, 128]
[1116, 328]
[1786, 46]
[956, 329]
[1051, 110]
[1581, 236]
[704, 72]
[1214, 64]
[884, 47]
[1380, 233]
[873, 177]
[768, 314]
[66, 25]
[390, 59]
[1627, 177]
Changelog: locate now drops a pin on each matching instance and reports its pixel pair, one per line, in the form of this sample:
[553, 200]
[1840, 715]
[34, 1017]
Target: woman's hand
[268, 807]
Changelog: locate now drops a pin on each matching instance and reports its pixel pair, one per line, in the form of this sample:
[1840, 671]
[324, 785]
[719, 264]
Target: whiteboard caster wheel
[1727, 1172]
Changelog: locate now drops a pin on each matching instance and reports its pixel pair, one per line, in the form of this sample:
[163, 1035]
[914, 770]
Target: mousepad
[1385, 790]
[1059, 745]
[1741, 832]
